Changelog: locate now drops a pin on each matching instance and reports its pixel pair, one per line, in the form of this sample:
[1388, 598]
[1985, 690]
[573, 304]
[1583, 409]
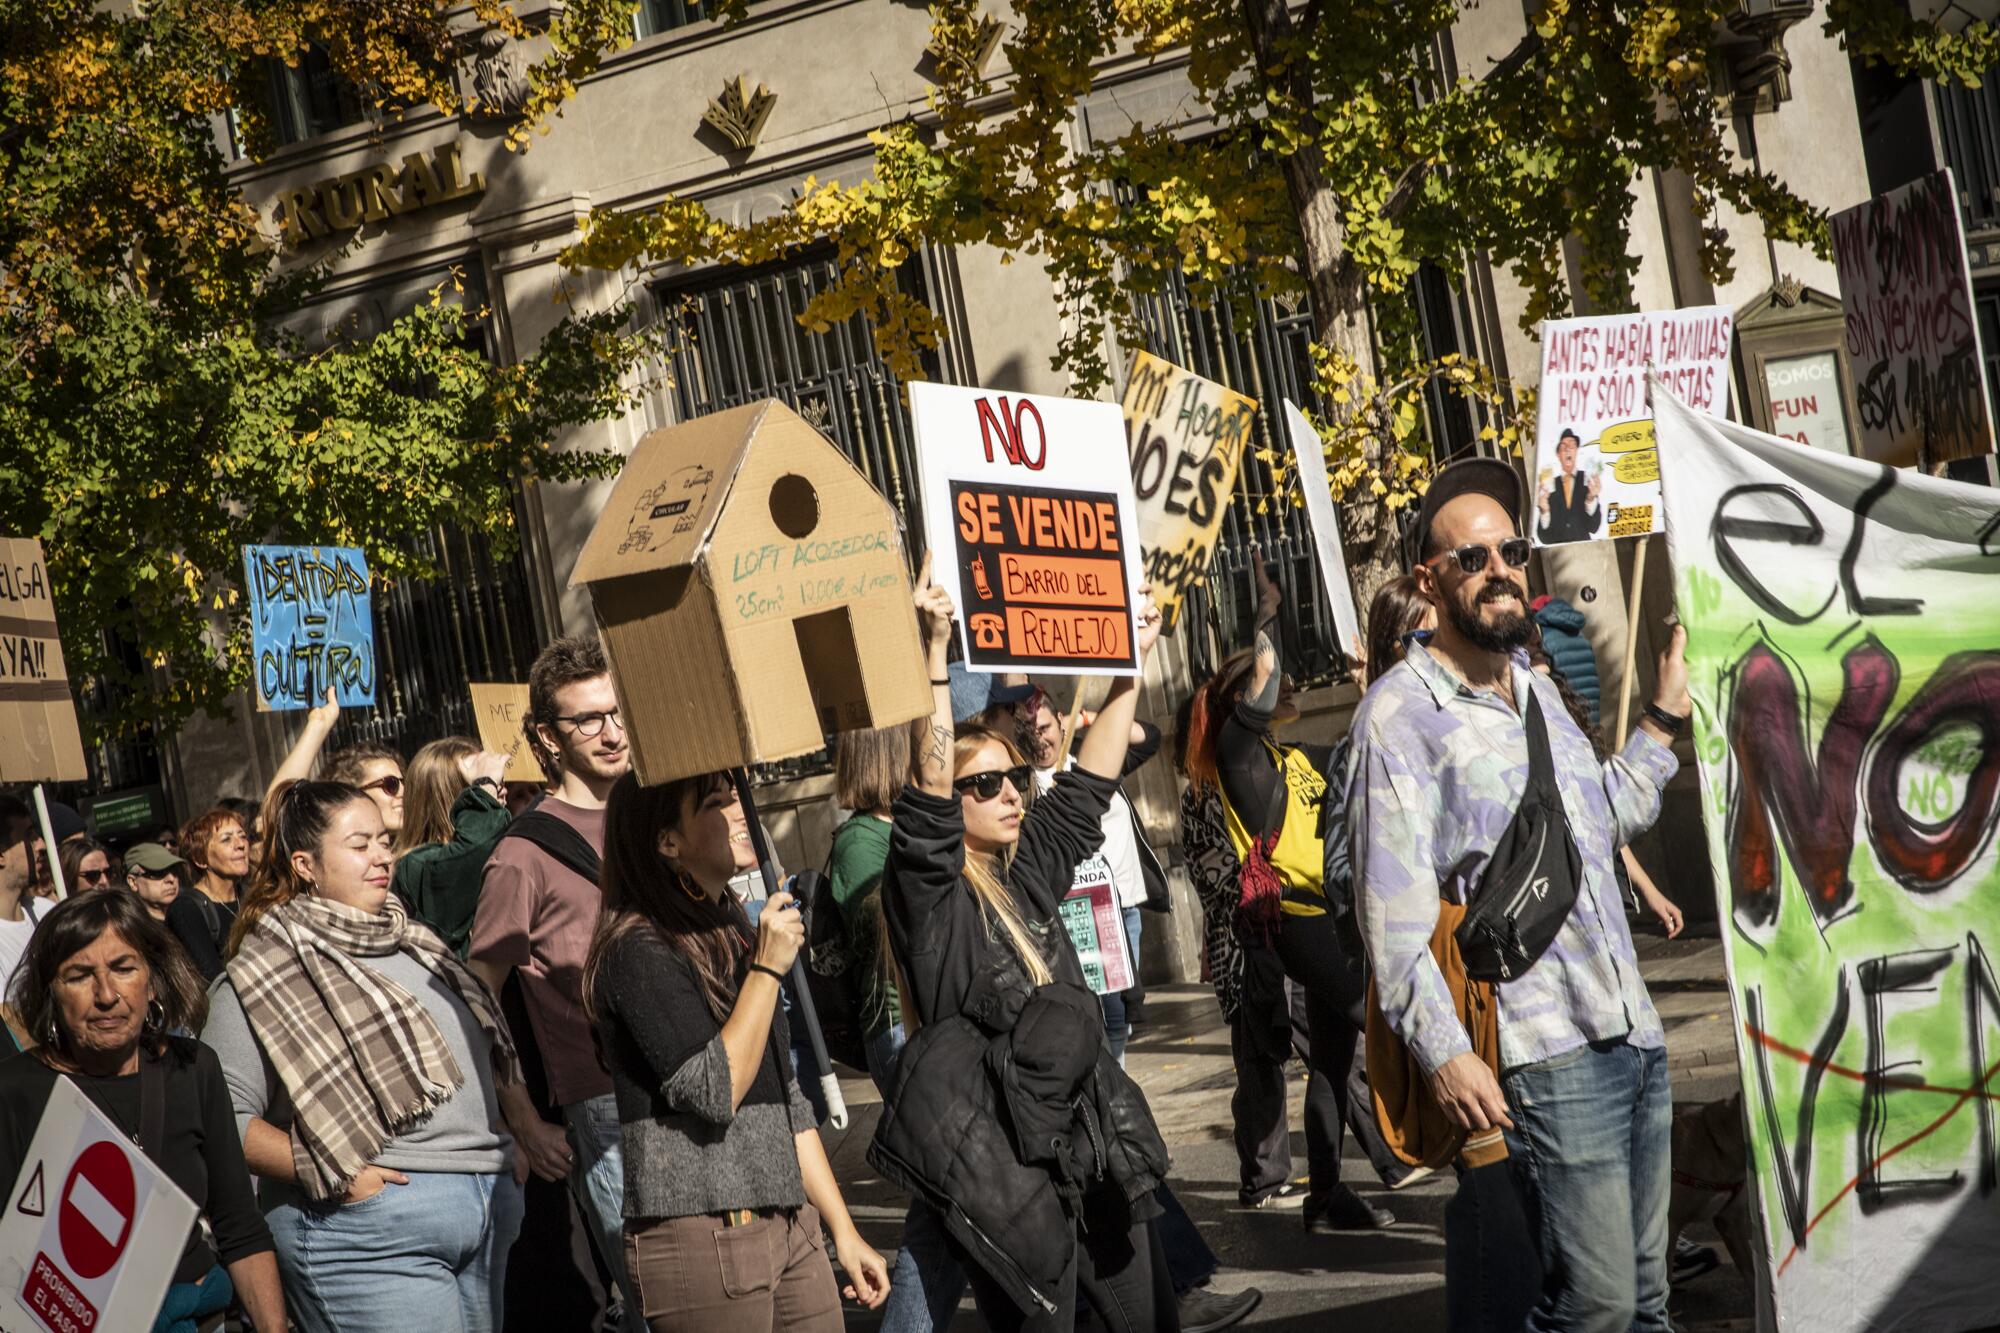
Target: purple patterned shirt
[1437, 772]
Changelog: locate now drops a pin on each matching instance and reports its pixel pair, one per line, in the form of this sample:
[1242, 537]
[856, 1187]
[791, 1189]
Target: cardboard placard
[1912, 338]
[311, 626]
[1840, 620]
[1030, 508]
[1309, 456]
[92, 1230]
[498, 711]
[753, 595]
[39, 740]
[1096, 926]
[1186, 437]
[1597, 473]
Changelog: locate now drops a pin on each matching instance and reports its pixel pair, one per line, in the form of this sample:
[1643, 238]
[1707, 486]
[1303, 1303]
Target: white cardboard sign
[92, 1231]
[1597, 472]
[1032, 527]
[1310, 457]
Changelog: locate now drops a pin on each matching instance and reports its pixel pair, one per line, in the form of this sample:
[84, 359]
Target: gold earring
[688, 886]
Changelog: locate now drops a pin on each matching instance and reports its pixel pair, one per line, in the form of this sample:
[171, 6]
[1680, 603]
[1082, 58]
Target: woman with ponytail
[1009, 1115]
[726, 1181]
[364, 1061]
[1270, 798]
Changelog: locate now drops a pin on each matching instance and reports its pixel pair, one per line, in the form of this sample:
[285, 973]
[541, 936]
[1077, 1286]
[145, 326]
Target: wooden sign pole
[1632, 601]
[49, 843]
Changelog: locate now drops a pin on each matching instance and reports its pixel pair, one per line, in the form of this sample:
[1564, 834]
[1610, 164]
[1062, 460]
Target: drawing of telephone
[988, 631]
[980, 584]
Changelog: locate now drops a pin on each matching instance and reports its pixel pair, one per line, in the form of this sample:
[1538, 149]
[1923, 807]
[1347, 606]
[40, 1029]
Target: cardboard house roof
[671, 491]
[752, 593]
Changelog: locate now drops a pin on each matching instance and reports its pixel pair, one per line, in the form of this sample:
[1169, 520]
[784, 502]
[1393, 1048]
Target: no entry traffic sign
[97, 1253]
[96, 1216]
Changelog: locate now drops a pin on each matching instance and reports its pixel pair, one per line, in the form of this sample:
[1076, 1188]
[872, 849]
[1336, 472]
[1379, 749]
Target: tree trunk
[1340, 303]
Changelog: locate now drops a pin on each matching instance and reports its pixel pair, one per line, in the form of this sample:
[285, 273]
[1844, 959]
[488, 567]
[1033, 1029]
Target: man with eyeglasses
[538, 910]
[1440, 767]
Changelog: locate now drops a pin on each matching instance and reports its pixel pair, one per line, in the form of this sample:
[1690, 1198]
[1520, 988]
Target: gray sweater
[461, 1137]
[687, 1151]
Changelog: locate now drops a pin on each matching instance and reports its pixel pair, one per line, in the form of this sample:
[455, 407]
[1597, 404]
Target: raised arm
[1104, 745]
[934, 613]
[1260, 693]
[304, 757]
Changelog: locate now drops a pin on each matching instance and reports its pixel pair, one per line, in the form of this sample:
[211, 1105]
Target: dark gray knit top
[686, 1152]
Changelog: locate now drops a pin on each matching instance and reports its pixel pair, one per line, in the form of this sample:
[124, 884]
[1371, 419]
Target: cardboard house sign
[38, 734]
[1032, 527]
[752, 593]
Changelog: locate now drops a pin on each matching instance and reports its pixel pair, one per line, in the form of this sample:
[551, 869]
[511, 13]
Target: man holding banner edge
[1581, 1090]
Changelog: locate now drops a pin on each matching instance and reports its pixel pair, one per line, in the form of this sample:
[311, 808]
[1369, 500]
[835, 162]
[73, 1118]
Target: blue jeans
[597, 1176]
[926, 1284]
[188, 1303]
[1590, 1158]
[430, 1253]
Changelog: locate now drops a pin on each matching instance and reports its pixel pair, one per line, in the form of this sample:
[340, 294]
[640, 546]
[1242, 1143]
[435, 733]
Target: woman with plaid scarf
[364, 1061]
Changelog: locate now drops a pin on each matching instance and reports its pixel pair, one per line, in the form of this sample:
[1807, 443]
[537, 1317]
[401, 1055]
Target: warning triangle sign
[31, 1197]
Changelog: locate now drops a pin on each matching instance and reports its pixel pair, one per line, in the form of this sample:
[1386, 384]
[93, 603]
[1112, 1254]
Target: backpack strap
[569, 848]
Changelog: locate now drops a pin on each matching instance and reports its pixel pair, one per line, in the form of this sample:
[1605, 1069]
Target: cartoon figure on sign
[988, 631]
[1567, 504]
[980, 584]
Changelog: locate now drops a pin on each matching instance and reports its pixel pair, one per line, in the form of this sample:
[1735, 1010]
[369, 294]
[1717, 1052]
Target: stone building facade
[739, 117]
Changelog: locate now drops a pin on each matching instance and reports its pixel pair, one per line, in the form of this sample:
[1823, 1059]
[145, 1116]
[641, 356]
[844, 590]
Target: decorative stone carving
[738, 114]
[499, 76]
[985, 41]
[1760, 69]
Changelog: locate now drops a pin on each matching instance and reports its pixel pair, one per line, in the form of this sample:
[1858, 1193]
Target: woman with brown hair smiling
[364, 1061]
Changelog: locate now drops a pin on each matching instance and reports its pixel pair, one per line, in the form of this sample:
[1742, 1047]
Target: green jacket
[440, 880]
[854, 873]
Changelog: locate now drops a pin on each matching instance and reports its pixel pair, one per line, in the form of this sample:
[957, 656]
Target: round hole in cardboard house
[794, 505]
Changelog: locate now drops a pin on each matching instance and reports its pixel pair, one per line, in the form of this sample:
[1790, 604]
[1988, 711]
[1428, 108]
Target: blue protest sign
[311, 625]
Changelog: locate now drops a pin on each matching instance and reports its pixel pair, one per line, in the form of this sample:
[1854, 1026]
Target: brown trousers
[695, 1275]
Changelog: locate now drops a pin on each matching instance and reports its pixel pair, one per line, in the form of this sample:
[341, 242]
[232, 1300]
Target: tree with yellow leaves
[1344, 155]
[153, 417]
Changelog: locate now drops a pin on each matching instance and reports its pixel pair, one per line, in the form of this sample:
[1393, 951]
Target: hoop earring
[54, 1039]
[688, 886]
[159, 1023]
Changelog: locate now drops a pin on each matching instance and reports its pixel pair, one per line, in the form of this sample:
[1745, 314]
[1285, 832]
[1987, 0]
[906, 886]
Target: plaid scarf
[361, 1058]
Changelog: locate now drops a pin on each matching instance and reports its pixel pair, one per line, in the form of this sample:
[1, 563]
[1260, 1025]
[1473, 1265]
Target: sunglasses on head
[1514, 551]
[391, 786]
[987, 785]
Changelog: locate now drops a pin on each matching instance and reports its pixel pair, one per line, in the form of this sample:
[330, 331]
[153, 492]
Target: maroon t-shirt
[538, 916]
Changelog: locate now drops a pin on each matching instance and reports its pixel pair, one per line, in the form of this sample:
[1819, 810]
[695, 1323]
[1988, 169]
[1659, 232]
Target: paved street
[1386, 1280]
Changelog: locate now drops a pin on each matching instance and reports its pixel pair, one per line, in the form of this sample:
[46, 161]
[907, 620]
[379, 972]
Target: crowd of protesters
[428, 1052]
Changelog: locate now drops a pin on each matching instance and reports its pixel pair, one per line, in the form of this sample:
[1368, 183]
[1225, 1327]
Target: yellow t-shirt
[1299, 857]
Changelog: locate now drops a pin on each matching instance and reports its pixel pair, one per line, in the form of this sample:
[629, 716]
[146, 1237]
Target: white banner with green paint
[1844, 651]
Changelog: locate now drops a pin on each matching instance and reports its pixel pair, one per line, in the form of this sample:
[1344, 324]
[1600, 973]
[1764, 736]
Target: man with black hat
[1470, 785]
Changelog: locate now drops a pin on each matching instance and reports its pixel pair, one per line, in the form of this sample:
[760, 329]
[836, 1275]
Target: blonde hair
[986, 873]
[433, 782]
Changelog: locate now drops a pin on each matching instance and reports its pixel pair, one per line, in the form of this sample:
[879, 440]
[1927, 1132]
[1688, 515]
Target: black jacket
[1008, 1108]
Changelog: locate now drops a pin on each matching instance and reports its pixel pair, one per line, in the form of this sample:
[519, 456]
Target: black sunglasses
[987, 785]
[1514, 551]
[392, 786]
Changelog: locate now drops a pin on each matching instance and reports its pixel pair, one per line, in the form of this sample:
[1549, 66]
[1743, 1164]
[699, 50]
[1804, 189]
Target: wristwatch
[483, 781]
[1674, 725]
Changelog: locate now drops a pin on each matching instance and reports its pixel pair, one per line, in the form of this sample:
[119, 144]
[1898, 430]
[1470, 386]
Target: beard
[1503, 635]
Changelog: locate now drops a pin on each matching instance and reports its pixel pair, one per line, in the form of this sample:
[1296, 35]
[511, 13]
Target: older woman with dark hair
[101, 989]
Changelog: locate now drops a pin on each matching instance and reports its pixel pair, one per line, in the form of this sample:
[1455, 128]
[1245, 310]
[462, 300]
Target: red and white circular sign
[98, 1201]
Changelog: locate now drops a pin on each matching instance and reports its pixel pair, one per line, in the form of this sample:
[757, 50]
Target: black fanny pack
[1531, 882]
